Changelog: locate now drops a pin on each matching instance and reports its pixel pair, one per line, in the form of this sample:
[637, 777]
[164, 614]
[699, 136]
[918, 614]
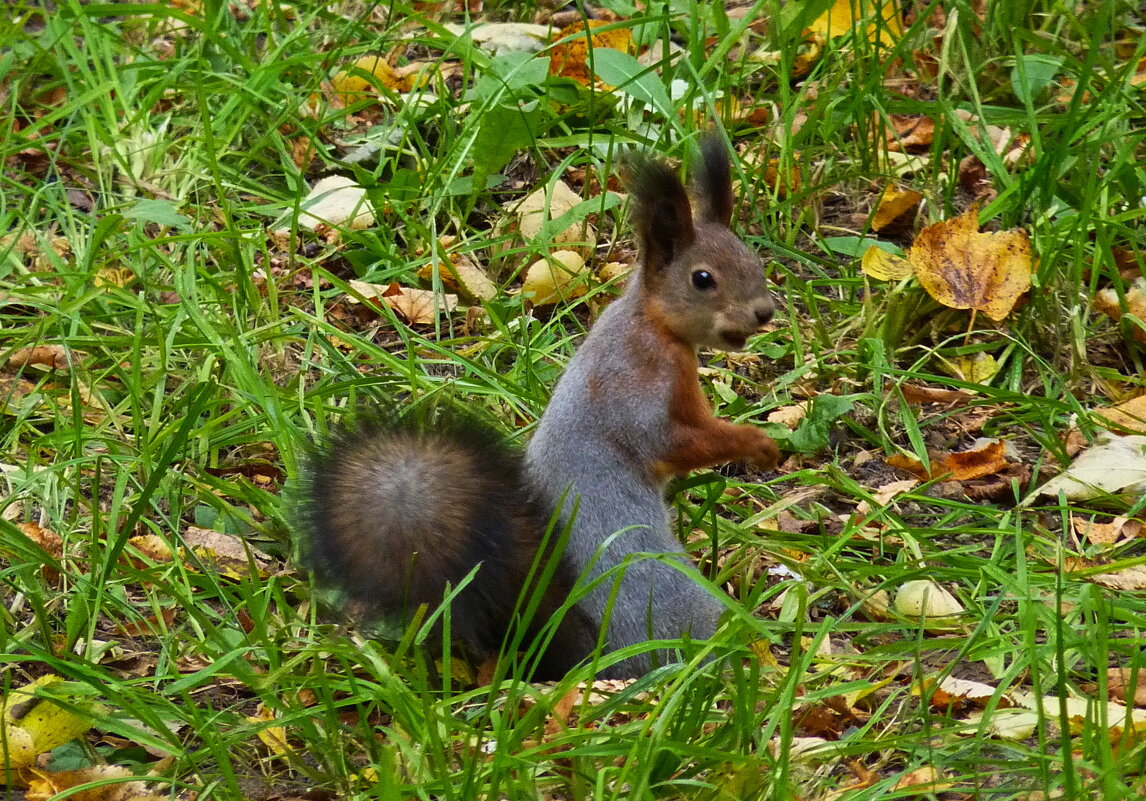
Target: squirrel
[398, 511]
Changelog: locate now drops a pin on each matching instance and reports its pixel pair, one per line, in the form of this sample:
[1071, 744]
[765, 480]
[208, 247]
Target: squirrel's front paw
[767, 453]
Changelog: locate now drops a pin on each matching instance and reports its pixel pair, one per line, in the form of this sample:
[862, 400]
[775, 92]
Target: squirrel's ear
[662, 216]
[712, 181]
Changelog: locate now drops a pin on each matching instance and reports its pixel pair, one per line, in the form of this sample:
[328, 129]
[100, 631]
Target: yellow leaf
[33, 725]
[570, 59]
[460, 272]
[975, 369]
[844, 15]
[354, 84]
[965, 269]
[894, 204]
[884, 266]
[560, 277]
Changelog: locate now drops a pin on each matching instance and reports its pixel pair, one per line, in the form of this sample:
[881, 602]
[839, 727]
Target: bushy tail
[396, 510]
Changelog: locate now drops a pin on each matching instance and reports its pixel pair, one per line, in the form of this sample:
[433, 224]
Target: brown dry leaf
[1107, 302]
[418, 74]
[50, 541]
[358, 81]
[420, 306]
[907, 132]
[460, 272]
[54, 357]
[225, 550]
[965, 269]
[781, 181]
[961, 466]
[570, 59]
[560, 277]
[1118, 681]
[884, 266]
[919, 394]
[844, 15]
[1118, 529]
[1131, 579]
[896, 208]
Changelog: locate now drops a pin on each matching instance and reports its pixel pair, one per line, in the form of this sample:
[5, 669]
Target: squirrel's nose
[764, 309]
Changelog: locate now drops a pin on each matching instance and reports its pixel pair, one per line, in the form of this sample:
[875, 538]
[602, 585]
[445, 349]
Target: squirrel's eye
[703, 279]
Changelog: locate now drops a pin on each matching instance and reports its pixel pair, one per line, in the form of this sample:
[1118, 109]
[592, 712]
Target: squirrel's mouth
[734, 341]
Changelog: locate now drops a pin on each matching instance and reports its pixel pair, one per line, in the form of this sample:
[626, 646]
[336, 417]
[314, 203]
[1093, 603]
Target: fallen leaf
[336, 201]
[1122, 682]
[1107, 302]
[460, 272]
[504, 37]
[54, 357]
[923, 780]
[415, 306]
[1010, 724]
[1113, 464]
[896, 208]
[977, 368]
[1120, 528]
[570, 59]
[919, 394]
[982, 461]
[361, 79]
[560, 277]
[789, 416]
[844, 16]
[1130, 579]
[551, 202]
[887, 492]
[965, 269]
[921, 598]
[906, 132]
[884, 266]
[1127, 417]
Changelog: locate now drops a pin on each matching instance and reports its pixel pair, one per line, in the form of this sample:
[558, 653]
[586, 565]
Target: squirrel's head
[700, 280]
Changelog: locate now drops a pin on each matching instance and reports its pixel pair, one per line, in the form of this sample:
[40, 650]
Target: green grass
[205, 355]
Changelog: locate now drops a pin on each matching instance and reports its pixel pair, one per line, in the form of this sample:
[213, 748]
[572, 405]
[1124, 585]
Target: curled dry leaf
[883, 266]
[504, 37]
[965, 269]
[54, 357]
[896, 208]
[1107, 302]
[560, 277]
[985, 460]
[926, 599]
[415, 306]
[460, 272]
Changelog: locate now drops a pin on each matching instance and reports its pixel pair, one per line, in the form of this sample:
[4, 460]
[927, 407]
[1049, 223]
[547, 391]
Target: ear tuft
[662, 216]
[712, 181]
